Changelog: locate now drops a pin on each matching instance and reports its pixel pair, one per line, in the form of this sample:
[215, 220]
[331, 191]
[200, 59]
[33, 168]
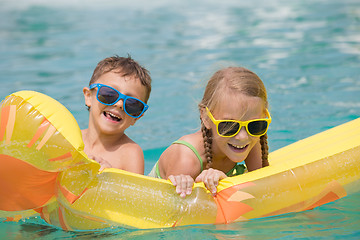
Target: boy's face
[113, 119]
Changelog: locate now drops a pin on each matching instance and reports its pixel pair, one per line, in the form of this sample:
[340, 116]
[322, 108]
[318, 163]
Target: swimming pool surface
[306, 52]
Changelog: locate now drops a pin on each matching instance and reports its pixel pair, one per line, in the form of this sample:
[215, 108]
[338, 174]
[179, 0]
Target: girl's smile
[238, 148]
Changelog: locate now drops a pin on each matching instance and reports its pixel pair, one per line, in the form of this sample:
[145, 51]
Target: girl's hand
[183, 184]
[211, 178]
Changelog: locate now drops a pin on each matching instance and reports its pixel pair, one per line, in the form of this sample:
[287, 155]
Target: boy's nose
[120, 104]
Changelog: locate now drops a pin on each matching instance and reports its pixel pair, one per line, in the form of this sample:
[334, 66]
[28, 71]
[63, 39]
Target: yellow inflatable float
[43, 170]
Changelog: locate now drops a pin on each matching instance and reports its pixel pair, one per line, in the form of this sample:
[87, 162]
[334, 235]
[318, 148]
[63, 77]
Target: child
[234, 121]
[116, 98]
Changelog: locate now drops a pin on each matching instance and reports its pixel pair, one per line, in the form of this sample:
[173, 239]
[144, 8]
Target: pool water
[306, 52]
[337, 220]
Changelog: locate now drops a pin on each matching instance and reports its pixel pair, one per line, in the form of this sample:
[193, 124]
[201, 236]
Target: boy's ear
[204, 118]
[87, 96]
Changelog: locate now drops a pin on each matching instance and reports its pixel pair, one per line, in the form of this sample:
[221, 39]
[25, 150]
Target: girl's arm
[180, 165]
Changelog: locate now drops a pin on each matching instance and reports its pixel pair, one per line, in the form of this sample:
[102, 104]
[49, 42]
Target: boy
[116, 98]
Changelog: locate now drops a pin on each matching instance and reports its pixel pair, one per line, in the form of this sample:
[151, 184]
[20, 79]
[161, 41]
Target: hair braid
[207, 144]
[264, 150]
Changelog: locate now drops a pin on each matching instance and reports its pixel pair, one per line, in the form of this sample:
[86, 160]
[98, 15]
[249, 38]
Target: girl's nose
[242, 134]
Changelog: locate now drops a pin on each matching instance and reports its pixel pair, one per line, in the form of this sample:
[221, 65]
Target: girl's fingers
[172, 180]
[210, 183]
[210, 178]
[183, 184]
[182, 187]
[190, 183]
[213, 184]
[200, 178]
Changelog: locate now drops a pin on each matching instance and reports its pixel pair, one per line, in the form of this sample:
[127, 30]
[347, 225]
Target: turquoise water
[306, 52]
[337, 220]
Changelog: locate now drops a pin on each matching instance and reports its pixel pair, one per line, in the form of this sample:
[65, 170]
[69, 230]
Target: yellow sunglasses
[229, 128]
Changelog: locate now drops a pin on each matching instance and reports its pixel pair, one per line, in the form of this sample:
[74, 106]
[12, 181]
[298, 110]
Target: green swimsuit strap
[193, 149]
[157, 171]
[238, 169]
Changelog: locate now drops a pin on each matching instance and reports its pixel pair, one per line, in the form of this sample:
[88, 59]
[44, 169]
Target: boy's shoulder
[130, 146]
[127, 153]
[127, 143]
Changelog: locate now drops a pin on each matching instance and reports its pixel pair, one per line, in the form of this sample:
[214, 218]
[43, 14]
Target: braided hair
[242, 81]
[264, 150]
[207, 136]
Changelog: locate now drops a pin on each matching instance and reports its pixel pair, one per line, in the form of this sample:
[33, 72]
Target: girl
[234, 121]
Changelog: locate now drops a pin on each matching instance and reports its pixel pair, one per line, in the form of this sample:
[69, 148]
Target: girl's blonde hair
[242, 81]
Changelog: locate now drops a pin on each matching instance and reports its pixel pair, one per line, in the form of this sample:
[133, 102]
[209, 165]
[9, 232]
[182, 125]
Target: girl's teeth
[238, 146]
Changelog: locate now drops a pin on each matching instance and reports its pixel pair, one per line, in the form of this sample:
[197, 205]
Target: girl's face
[110, 120]
[235, 107]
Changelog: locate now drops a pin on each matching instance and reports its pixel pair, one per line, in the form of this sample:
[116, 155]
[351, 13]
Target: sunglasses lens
[134, 107]
[107, 95]
[228, 128]
[257, 127]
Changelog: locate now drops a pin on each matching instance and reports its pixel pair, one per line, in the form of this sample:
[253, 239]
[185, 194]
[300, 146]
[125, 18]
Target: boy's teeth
[113, 116]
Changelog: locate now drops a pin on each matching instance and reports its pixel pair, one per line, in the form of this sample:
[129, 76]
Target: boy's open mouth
[112, 116]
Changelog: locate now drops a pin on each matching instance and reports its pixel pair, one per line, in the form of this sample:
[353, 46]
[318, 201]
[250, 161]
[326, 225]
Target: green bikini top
[236, 170]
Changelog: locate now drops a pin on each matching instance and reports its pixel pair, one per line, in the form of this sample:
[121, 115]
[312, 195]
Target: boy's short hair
[126, 66]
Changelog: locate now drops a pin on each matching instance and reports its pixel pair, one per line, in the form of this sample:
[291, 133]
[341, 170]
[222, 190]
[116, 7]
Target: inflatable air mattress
[43, 170]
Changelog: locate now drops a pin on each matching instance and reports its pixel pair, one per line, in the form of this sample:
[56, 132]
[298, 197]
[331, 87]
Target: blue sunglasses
[109, 96]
